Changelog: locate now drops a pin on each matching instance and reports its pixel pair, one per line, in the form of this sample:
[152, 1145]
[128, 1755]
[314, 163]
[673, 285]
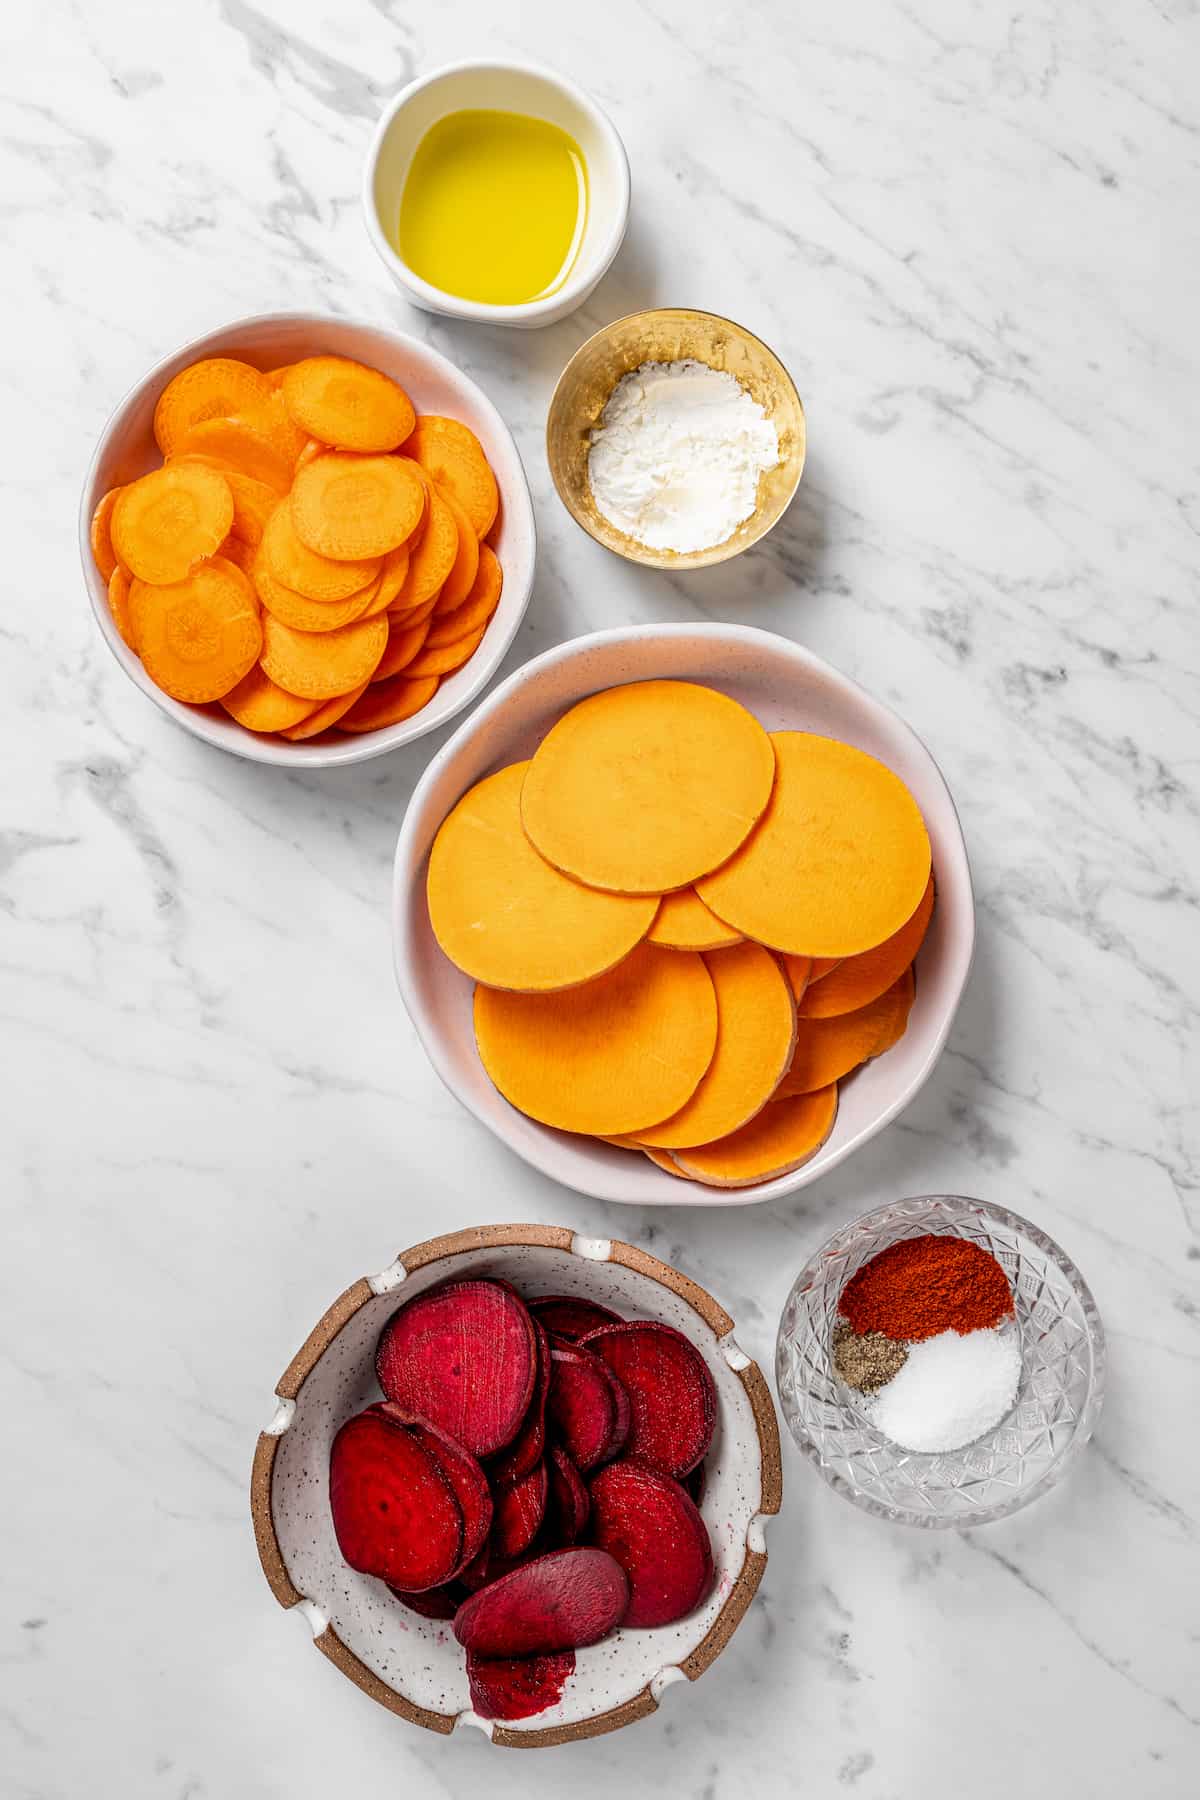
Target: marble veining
[971, 233]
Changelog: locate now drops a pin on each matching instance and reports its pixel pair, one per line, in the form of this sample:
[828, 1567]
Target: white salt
[951, 1390]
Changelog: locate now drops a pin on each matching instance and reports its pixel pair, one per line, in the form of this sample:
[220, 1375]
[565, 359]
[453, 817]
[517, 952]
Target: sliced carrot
[303, 614]
[327, 714]
[448, 657]
[244, 555]
[827, 1049]
[756, 1034]
[465, 567]
[349, 507]
[274, 377]
[242, 446]
[211, 389]
[120, 604]
[316, 577]
[503, 915]
[259, 705]
[838, 863]
[684, 922]
[433, 553]
[859, 979]
[377, 603]
[253, 503]
[394, 573]
[167, 522]
[479, 604]
[412, 615]
[799, 973]
[347, 404]
[321, 665]
[611, 1056]
[403, 643]
[101, 534]
[198, 637]
[389, 703]
[313, 447]
[781, 1138]
[453, 456]
[643, 788]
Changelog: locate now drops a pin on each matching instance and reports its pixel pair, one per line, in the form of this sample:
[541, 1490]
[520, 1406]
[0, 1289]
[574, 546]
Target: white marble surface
[972, 233]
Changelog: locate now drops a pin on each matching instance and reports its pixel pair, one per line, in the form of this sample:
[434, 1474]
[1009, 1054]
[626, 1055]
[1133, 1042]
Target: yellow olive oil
[494, 207]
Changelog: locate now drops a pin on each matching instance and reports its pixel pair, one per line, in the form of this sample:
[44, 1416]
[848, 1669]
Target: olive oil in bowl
[494, 207]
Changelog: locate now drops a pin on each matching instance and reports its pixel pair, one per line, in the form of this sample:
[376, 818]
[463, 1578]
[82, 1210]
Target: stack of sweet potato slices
[311, 554]
[685, 932]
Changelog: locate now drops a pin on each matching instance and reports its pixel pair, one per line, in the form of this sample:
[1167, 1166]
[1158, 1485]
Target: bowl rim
[642, 555]
[490, 1237]
[527, 312]
[960, 1205]
[403, 881]
[249, 746]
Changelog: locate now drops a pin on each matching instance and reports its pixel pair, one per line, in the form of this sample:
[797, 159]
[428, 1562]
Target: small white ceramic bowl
[787, 688]
[414, 1666]
[127, 449]
[500, 87]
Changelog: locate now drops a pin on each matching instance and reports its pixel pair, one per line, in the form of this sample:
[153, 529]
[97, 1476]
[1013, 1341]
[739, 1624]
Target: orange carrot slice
[321, 665]
[432, 555]
[316, 577]
[478, 606]
[120, 604]
[827, 1049]
[259, 705]
[503, 915]
[859, 979]
[840, 860]
[643, 788]
[403, 643]
[101, 534]
[242, 446]
[781, 1138]
[447, 657]
[303, 614]
[347, 405]
[243, 555]
[465, 567]
[685, 923]
[211, 389]
[313, 447]
[389, 703]
[349, 507]
[167, 522]
[453, 456]
[253, 504]
[199, 636]
[327, 714]
[394, 573]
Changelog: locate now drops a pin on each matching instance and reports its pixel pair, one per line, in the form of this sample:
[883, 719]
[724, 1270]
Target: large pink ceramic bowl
[787, 688]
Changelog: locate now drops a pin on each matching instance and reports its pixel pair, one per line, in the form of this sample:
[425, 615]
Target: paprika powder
[925, 1285]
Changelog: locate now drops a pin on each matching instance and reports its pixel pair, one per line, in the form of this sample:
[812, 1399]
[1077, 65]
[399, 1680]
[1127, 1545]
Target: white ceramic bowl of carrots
[787, 690]
[128, 449]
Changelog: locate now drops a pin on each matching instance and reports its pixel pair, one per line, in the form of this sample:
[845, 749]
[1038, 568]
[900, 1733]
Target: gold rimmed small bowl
[671, 334]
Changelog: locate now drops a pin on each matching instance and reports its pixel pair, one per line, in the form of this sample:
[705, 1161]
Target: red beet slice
[394, 1512]
[467, 1480]
[520, 1509]
[437, 1603]
[670, 1390]
[695, 1482]
[568, 1505]
[478, 1573]
[516, 1687]
[556, 1602]
[585, 1408]
[650, 1525]
[463, 1356]
[569, 1318]
[528, 1447]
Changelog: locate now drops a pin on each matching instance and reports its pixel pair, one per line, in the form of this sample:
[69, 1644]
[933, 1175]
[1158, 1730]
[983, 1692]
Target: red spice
[914, 1289]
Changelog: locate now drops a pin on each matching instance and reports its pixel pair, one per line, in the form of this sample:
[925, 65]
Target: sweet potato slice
[643, 788]
[298, 611]
[839, 861]
[903, 992]
[520, 1509]
[166, 523]
[403, 643]
[316, 577]
[328, 713]
[198, 637]
[502, 914]
[259, 705]
[464, 1356]
[352, 507]
[662, 1159]
[445, 660]
[587, 1409]
[478, 606]
[120, 605]
[101, 534]
[560, 1601]
[783, 1137]
[651, 1526]
[614, 1055]
[347, 404]
[858, 980]
[240, 444]
[463, 1471]
[671, 1393]
[568, 1505]
[820, 967]
[517, 1687]
[320, 665]
[453, 457]
[213, 388]
[528, 1447]
[394, 1512]
[827, 1049]
[389, 702]
[569, 1317]
[685, 923]
[432, 553]
[798, 970]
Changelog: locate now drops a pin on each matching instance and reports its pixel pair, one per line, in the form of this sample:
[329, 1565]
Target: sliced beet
[528, 1447]
[516, 1687]
[560, 1601]
[394, 1512]
[519, 1511]
[695, 1482]
[670, 1390]
[436, 1603]
[462, 1470]
[569, 1318]
[477, 1574]
[463, 1356]
[568, 1503]
[585, 1409]
[647, 1521]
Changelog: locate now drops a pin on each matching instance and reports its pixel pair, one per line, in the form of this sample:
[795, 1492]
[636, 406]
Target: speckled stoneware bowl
[414, 1666]
[127, 449]
[787, 688]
